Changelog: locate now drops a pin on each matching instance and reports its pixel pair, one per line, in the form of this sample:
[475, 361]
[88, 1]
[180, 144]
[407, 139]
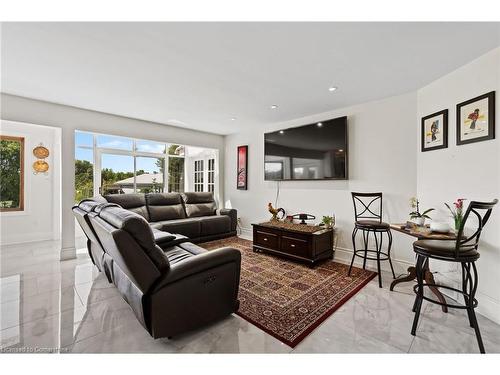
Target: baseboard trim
[27, 237]
[488, 307]
[68, 253]
[344, 255]
[246, 233]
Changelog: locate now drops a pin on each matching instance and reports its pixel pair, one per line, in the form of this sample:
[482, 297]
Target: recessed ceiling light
[281, 131]
[332, 88]
[233, 118]
[341, 150]
[274, 106]
[320, 124]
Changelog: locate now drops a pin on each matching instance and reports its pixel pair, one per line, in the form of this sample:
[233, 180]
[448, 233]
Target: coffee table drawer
[294, 246]
[266, 239]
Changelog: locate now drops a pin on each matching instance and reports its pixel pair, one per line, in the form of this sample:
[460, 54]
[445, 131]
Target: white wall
[384, 146]
[382, 157]
[69, 119]
[40, 219]
[469, 171]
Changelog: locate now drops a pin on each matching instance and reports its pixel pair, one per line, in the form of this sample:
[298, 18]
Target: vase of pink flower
[458, 212]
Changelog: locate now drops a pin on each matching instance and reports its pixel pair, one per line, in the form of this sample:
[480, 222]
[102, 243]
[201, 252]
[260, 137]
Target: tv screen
[311, 152]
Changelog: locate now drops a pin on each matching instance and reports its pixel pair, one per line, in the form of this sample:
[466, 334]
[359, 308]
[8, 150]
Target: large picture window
[107, 164]
[11, 173]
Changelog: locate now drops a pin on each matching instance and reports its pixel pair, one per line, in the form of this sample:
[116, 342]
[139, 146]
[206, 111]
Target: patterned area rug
[289, 300]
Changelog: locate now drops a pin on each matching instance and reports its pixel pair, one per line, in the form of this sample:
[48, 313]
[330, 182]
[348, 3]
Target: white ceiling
[199, 75]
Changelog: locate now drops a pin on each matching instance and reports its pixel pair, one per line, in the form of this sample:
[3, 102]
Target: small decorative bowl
[439, 227]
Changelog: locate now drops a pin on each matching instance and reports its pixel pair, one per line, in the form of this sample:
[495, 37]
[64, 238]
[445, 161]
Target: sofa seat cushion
[187, 227]
[192, 248]
[182, 252]
[214, 224]
[199, 204]
[177, 254]
[165, 206]
[132, 202]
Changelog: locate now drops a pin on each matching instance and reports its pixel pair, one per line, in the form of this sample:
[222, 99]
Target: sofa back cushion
[81, 216]
[165, 206]
[199, 204]
[138, 228]
[125, 254]
[132, 202]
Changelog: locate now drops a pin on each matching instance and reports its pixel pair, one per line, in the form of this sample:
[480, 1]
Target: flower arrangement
[416, 215]
[458, 212]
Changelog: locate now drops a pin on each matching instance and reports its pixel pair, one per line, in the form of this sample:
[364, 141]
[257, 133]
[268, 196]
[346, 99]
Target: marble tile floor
[69, 307]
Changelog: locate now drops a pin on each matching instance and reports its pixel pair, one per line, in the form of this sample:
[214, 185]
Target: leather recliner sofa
[171, 284]
[193, 215]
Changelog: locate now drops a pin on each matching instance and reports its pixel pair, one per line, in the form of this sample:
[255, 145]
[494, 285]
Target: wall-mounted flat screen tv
[311, 152]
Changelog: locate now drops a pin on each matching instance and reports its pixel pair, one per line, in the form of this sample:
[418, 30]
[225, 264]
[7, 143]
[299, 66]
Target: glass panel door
[198, 175]
[211, 175]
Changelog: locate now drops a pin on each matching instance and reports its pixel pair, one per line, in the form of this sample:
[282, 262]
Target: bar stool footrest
[474, 305]
[384, 256]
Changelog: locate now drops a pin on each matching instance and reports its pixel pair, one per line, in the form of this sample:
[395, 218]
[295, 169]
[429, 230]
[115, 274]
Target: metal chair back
[367, 206]
[481, 211]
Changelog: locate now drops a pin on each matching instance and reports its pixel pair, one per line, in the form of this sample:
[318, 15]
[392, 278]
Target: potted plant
[457, 213]
[328, 221]
[416, 216]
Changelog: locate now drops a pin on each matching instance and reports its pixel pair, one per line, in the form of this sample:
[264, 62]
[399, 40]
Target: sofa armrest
[162, 237]
[233, 214]
[198, 264]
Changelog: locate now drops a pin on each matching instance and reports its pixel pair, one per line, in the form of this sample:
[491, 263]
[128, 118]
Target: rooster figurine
[275, 212]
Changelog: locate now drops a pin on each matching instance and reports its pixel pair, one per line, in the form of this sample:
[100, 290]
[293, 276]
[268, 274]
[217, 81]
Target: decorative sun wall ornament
[41, 152]
[40, 165]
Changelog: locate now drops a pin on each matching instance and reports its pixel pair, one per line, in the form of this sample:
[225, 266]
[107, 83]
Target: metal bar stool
[368, 219]
[463, 251]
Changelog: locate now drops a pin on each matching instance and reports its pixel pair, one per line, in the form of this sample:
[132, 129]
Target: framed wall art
[242, 168]
[476, 119]
[435, 131]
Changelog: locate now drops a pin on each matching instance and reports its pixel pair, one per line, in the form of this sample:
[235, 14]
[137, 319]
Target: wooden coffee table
[300, 242]
[422, 234]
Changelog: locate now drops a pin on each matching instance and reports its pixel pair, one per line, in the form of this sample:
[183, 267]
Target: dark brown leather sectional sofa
[171, 284]
[193, 215]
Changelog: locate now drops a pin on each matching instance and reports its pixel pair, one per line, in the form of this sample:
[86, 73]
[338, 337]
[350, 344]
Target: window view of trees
[11, 173]
[84, 185]
[110, 178]
[176, 175]
[117, 169]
